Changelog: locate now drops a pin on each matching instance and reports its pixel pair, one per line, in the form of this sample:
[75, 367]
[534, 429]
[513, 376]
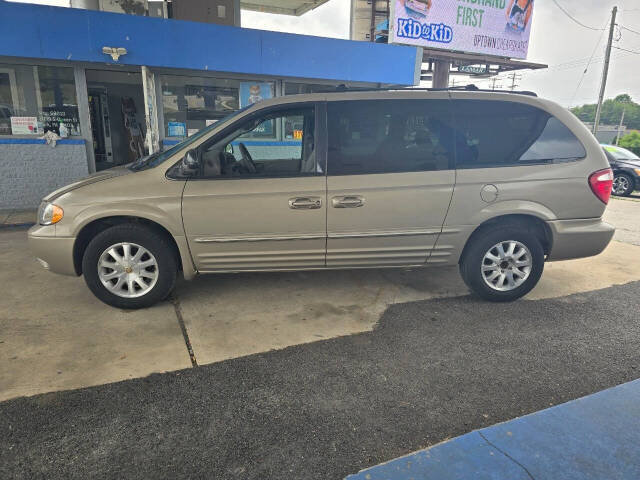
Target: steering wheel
[246, 162]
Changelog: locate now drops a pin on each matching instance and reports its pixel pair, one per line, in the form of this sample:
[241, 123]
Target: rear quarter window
[500, 133]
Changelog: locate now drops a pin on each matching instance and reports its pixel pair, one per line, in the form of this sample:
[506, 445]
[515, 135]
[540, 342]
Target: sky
[556, 40]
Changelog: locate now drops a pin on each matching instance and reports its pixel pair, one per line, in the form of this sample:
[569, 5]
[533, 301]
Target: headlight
[48, 213]
[637, 170]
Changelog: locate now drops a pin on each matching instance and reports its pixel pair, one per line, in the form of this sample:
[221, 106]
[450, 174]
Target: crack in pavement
[183, 328]
[507, 455]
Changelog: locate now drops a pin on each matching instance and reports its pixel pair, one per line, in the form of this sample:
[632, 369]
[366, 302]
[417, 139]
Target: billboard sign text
[491, 27]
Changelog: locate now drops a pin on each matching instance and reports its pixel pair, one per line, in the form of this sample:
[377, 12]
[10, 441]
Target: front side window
[384, 136]
[243, 152]
[500, 133]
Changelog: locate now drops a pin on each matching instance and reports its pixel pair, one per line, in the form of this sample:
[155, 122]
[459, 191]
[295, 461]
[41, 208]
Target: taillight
[601, 183]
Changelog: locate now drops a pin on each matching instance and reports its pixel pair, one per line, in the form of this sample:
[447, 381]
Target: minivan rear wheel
[130, 266]
[503, 262]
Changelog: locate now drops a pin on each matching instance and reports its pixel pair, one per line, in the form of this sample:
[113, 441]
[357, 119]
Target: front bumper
[579, 238]
[53, 253]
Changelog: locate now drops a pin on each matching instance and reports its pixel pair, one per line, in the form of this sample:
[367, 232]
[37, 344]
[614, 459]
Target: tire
[623, 185]
[483, 242]
[157, 257]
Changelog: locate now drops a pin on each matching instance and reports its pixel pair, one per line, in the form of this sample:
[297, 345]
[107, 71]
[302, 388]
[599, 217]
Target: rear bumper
[579, 238]
[54, 253]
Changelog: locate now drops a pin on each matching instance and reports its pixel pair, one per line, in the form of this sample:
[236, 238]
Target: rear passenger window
[499, 133]
[385, 136]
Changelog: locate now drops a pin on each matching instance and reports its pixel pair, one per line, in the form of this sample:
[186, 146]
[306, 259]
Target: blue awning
[45, 32]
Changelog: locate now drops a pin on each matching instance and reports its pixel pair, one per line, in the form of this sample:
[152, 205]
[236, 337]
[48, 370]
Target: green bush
[631, 141]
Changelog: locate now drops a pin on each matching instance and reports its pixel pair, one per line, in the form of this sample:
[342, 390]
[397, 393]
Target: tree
[631, 141]
[612, 111]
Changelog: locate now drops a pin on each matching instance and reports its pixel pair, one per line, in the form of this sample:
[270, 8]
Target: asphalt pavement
[429, 371]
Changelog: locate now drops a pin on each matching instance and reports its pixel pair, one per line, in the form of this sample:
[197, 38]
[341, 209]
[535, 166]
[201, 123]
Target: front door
[259, 202]
[390, 180]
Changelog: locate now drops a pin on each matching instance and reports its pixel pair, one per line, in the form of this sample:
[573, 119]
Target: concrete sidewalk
[594, 437]
[15, 218]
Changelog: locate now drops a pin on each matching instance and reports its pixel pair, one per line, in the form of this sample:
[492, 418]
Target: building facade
[115, 87]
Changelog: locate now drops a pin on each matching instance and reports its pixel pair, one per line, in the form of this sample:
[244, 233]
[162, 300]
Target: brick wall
[29, 171]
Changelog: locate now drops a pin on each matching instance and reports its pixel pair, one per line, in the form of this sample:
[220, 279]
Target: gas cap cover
[489, 193]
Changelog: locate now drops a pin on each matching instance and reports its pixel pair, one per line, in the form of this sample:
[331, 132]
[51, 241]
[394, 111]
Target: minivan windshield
[157, 158]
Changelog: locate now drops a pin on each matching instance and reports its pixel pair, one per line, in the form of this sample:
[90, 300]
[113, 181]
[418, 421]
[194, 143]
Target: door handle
[305, 203]
[349, 201]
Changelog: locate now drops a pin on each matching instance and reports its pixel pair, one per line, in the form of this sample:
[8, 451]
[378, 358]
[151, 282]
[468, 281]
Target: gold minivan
[497, 183]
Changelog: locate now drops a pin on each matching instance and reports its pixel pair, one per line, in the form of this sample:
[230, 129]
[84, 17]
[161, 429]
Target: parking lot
[299, 375]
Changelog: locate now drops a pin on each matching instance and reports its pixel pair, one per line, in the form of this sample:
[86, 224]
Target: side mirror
[190, 161]
[229, 148]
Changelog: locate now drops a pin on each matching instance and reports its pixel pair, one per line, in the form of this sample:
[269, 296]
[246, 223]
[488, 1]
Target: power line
[626, 50]
[561, 67]
[573, 18]
[629, 30]
[587, 67]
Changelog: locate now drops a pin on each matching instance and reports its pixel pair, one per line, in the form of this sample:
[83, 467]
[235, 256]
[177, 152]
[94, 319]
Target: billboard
[491, 27]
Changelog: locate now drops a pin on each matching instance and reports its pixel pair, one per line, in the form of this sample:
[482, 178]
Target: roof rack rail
[467, 88]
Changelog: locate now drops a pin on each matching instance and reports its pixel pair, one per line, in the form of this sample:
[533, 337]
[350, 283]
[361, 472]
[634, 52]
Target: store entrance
[116, 107]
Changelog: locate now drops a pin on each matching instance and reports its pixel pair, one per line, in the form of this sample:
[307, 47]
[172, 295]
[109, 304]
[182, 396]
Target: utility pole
[620, 126]
[494, 80]
[514, 77]
[605, 70]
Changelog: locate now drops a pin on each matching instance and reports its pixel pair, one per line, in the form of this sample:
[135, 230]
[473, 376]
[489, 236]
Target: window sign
[177, 129]
[492, 27]
[66, 116]
[24, 125]
[254, 92]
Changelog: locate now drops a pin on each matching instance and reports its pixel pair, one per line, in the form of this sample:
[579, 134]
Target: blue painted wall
[38, 31]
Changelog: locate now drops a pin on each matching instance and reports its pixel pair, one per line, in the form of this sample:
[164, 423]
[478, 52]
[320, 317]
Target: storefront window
[192, 103]
[37, 99]
[291, 88]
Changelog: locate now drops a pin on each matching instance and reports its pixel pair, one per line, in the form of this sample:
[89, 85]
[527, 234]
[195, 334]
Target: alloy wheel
[620, 185]
[506, 265]
[127, 270]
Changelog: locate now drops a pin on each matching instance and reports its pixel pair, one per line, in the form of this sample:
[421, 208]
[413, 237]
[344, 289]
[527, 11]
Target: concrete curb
[17, 218]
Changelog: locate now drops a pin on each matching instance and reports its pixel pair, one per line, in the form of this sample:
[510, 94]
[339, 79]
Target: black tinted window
[498, 133]
[389, 136]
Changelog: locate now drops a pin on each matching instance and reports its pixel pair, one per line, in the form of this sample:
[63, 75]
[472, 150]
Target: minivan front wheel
[502, 264]
[130, 266]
